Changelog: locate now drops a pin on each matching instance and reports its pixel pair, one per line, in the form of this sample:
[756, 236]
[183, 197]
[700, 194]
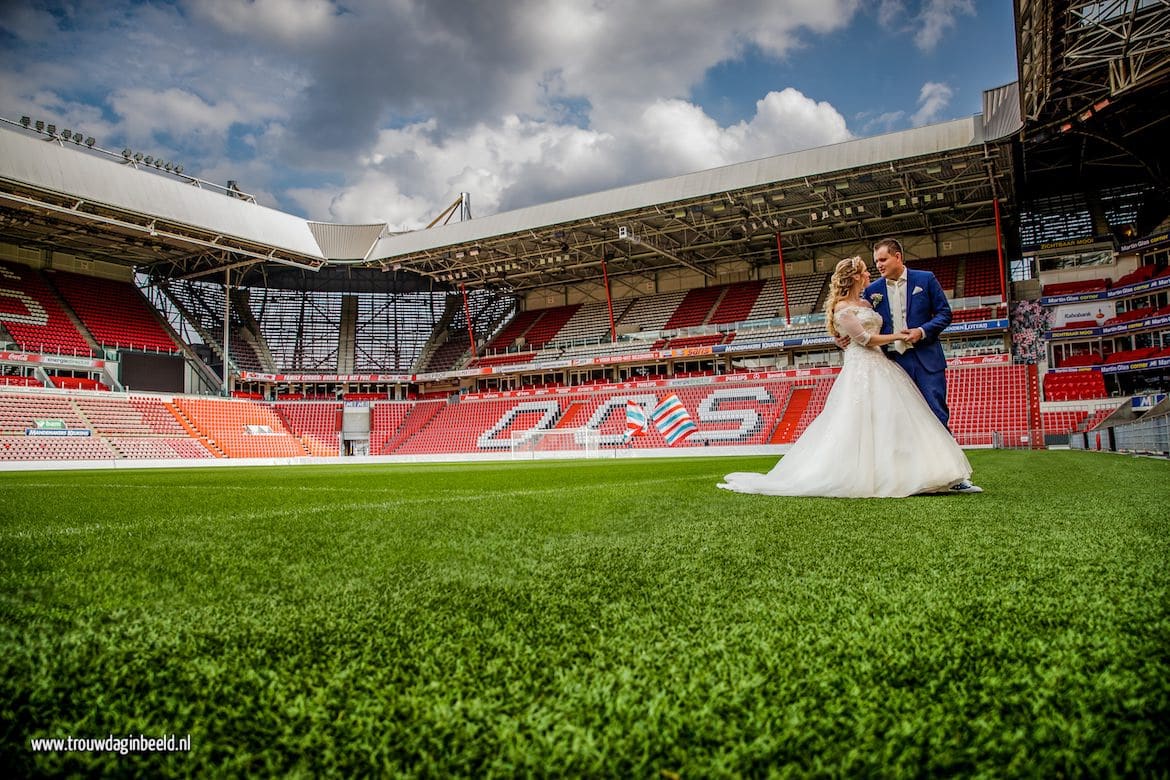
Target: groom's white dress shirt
[897, 291]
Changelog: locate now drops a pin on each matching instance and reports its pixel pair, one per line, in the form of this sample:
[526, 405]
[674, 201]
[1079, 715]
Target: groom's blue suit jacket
[927, 308]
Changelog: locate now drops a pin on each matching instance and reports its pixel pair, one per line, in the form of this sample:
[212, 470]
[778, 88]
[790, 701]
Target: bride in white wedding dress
[875, 437]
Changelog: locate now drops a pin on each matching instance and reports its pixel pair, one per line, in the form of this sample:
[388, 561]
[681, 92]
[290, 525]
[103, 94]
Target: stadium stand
[515, 329]
[115, 313]
[18, 380]
[805, 293]
[1140, 274]
[1074, 385]
[315, 423]
[1096, 418]
[1063, 421]
[114, 425]
[981, 275]
[1097, 284]
[588, 325]
[694, 308]
[548, 325]
[392, 423]
[1129, 355]
[650, 312]
[34, 315]
[737, 303]
[77, 383]
[448, 355]
[1132, 315]
[240, 429]
[945, 269]
[1079, 359]
[989, 400]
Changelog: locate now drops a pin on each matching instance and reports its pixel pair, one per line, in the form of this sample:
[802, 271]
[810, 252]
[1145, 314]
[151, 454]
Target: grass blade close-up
[594, 618]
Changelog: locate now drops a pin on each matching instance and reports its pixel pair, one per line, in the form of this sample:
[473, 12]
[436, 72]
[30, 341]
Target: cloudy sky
[385, 110]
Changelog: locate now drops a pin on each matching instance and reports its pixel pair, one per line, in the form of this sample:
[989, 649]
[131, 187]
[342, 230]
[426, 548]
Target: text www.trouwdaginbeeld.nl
[135, 743]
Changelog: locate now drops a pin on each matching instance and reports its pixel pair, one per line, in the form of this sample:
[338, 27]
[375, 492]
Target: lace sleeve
[848, 323]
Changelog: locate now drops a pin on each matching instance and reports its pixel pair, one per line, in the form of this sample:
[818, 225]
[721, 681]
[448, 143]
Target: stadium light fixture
[25, 121]
[67, 134]
[90, 141]
[51, 129]
[39, 125]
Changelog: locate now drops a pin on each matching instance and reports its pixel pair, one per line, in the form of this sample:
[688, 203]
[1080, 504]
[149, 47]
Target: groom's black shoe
[965, 487]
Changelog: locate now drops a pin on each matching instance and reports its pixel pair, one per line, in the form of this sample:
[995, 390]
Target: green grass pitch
[609, 618]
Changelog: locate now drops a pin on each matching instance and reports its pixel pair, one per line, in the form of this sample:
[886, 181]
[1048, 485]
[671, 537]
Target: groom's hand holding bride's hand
[912, 335]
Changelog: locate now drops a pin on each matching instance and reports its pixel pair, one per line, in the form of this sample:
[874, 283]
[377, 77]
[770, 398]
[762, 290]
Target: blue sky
[384, 110]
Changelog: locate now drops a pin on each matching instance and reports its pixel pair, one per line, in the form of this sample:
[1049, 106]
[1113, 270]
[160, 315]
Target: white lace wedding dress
[876, 437]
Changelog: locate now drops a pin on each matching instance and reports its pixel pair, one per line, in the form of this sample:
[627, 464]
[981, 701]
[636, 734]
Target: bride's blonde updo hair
[844, 277]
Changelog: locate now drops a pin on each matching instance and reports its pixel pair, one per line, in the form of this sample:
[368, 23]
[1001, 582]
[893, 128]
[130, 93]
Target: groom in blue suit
[914, 301]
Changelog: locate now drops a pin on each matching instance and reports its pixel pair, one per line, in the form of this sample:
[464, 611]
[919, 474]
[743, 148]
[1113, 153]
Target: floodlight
[127, 154]
[25, 121]
[148, 159]
[40, 126]
[178, 169]
[51, 129]
[90, 141]
[66, 134]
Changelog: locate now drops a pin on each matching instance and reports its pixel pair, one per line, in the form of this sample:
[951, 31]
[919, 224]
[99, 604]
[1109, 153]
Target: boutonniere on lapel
[916, 290]
[876, 299]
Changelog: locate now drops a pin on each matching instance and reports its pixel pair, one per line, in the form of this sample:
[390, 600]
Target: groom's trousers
[933, 384]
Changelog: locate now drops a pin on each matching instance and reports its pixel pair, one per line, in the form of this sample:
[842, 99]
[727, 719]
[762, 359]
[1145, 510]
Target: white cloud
[292, 22]
[884, 122]
[413, 172]
[937, 18]
[933, 99]
[385, 109]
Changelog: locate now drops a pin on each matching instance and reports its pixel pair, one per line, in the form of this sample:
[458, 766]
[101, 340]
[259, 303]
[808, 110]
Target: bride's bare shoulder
[843, 305]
